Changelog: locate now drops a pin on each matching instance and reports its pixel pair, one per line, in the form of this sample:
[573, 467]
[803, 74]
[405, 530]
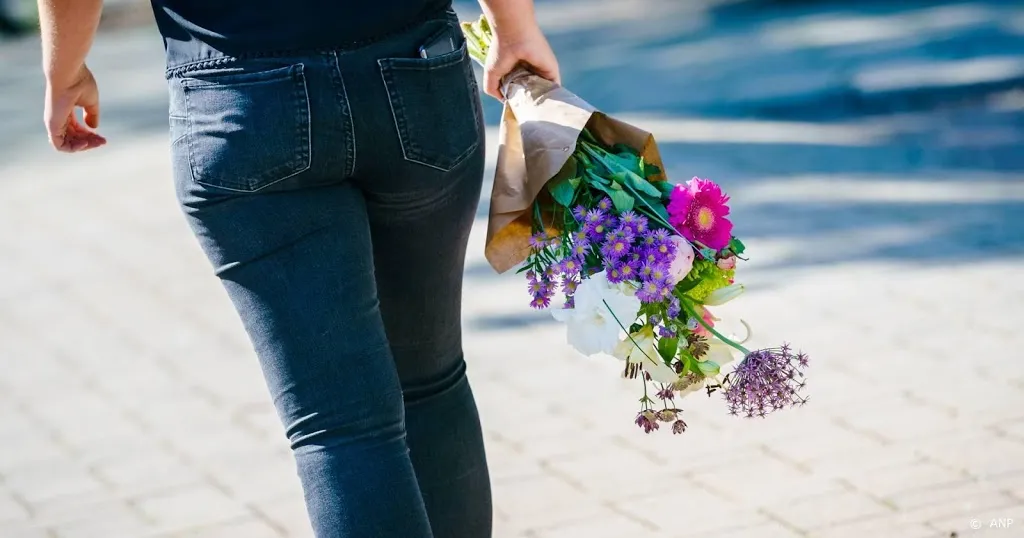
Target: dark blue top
[252, 26]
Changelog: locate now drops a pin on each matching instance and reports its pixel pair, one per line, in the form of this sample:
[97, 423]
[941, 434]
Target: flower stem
[597, 152]
[692, 312]
[630, 336]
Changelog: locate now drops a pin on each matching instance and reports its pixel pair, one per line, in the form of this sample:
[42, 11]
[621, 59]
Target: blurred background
[874, 152]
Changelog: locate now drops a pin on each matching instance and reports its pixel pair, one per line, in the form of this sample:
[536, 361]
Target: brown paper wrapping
[540, 125]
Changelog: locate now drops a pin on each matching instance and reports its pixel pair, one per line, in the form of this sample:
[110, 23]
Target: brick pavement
[130, 406]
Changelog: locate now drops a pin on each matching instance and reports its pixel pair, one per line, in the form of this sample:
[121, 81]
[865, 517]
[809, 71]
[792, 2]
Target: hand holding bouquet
[581, 201]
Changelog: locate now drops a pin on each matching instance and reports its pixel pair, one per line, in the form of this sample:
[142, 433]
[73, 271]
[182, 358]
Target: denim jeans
[334, 192]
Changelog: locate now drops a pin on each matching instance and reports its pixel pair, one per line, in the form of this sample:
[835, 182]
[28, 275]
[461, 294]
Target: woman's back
[271, 25]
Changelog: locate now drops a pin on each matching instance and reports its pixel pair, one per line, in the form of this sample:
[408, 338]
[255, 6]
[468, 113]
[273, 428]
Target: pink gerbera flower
[698, 210]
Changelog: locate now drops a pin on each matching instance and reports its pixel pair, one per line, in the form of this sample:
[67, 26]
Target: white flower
[719, 352]
[724, 295]
[641, 348]
[682, 263]
[601, 310]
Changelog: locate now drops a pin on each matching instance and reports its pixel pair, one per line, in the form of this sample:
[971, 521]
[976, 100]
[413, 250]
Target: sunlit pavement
[884, 214]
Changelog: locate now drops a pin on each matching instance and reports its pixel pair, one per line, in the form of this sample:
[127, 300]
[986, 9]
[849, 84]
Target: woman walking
[328, 156]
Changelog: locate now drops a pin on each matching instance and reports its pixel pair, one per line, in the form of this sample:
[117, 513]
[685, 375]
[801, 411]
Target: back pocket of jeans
[435, 107]
[247, 130]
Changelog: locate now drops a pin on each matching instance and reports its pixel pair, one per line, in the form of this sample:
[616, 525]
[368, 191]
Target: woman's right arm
[517, 39]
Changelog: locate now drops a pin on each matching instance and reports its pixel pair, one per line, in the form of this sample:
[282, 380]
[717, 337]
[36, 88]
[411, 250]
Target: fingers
[64, 130]
[73, 137]
[548, 70]
[92, 115]
[84, 138]
[497, 67]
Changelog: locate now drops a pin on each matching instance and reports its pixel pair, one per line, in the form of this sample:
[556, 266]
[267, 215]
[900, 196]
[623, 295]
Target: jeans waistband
[182, 55]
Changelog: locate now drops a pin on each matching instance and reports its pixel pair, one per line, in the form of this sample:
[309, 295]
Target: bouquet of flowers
[582, 204]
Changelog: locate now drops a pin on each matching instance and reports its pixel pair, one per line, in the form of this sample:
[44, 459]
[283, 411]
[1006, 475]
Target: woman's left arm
[68, 29]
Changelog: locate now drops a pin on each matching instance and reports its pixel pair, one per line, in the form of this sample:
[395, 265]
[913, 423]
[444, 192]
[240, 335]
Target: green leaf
[635, 327]
[649, 170]
[642, 185]
[690, 364]
[668, 347]
[737, 246]
[709, 368]
[562, 192]
[665, 187]
[622, 200]
[660, 210]
[686, 285]
[595, 180]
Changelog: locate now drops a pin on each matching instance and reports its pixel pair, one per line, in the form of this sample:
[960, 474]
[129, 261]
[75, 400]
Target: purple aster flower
[647, 420]
[540, 302]
[661, 235]
[569, 285]
[627, 221]
[628, 270]
[766, 380]
[648, 292]
[534, 286]
[617, 245]
[579, 213]
[570, 266]
[580, 251]
[542, 289]
[604, 204]
[674, 308]
[648, 239]
[654, 272]
[580, 237]
[537, 241]
[665, 251]
[614, 273]
[596, 231]
[642, 225]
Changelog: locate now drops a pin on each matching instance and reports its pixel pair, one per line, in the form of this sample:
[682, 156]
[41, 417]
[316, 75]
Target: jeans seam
[348, 111]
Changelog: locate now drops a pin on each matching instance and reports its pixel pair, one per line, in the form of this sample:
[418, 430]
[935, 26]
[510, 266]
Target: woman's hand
[517, 40]
[68, 28]
[62, 99]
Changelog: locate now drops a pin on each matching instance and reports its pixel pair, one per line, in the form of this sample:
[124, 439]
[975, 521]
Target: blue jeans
[334, 192]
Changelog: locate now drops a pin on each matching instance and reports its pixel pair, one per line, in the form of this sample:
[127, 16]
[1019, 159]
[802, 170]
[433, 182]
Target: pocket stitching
[404, 140]
[294, 71]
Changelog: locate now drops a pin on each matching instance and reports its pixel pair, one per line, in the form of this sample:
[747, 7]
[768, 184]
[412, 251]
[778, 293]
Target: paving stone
[288, 513]
[610, 525]
[195, 505]
[11, 509]
[247, 528]
[698, 511]
[828, 509]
